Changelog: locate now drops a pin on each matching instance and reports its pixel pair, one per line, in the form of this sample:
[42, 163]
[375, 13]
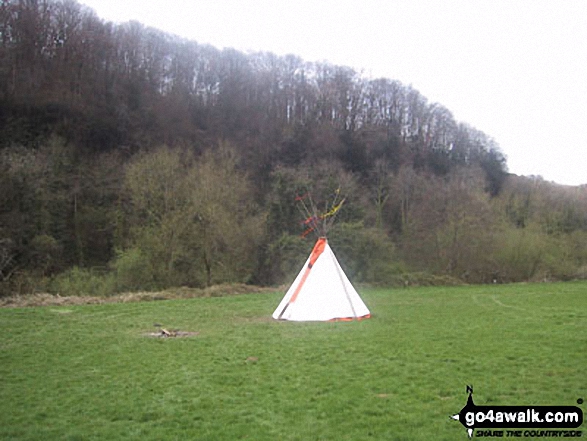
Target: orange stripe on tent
[350, 319]
[316, 252]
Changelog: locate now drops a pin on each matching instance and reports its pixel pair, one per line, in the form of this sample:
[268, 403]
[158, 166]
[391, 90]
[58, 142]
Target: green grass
[89, 373]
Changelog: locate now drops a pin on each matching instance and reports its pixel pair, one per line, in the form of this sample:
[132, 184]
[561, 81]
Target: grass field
[90, 373]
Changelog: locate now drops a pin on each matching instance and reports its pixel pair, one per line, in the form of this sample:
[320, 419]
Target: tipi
[321, 291]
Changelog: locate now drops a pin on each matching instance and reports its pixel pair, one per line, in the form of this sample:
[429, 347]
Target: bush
[83, 282]
[423, 279]
[25, 282]
[367, 255]
[530, 254]
[285, 257]
[45, 252]
[581, 273]
[520, 254]
[132, 271]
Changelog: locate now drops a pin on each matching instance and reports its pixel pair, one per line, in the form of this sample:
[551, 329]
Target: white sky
[514, 69]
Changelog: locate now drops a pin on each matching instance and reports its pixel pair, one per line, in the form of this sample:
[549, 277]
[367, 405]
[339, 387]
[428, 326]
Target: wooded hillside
[134, 159]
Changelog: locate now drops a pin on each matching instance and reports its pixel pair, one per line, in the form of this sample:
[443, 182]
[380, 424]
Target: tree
[450, 229]
[381, 190]
[193, 219]
[228, 223]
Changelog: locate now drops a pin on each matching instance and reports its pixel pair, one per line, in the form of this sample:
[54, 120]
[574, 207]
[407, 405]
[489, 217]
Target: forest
[132, 159]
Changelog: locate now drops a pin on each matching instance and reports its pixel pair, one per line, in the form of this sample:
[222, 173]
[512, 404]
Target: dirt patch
[47, 300]
[171, 334]
[44, 299]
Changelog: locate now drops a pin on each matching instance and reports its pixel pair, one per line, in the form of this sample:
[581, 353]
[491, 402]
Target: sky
[514, 69]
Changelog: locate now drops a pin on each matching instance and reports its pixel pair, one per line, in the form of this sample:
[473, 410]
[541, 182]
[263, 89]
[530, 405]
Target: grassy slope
[88, 372]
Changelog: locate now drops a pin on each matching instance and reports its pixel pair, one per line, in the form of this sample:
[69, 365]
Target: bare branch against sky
[513, 69]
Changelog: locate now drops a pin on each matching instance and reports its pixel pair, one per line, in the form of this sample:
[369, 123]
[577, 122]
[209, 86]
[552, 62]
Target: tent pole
[339, 271]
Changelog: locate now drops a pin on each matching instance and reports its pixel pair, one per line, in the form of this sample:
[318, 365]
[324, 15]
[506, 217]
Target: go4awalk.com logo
[519, 421]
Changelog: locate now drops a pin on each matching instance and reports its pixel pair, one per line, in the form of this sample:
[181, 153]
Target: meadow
[92, 373]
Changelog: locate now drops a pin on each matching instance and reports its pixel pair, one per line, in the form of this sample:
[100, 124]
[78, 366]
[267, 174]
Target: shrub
[285, 257]
[423, 279]
[79, 282]
[366, 254]
[45, 252]
[132, 271]
[520, 254]
[531, 254]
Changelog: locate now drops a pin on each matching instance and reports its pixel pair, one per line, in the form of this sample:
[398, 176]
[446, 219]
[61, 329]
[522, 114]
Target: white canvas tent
[321, 291]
